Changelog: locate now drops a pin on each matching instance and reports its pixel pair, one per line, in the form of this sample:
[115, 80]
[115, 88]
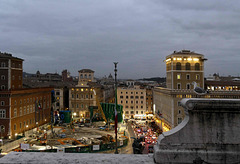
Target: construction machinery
[69, 139]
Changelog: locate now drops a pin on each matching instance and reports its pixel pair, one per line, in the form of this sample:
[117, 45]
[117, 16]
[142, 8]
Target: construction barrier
[85, 149]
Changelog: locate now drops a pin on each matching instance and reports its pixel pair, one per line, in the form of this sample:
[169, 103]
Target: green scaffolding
[109, 111]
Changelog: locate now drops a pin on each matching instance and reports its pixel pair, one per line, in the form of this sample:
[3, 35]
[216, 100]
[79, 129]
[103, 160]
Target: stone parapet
[209, 133]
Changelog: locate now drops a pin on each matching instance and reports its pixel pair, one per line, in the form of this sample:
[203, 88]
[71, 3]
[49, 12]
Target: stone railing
[210, 133]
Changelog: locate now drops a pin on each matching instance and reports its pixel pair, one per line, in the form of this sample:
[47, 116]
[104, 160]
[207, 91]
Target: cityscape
[81, 103]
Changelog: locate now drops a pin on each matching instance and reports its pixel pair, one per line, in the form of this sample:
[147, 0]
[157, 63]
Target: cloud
[56, 35]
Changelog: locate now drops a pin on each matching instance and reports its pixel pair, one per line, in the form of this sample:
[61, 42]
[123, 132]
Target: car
[148, 140]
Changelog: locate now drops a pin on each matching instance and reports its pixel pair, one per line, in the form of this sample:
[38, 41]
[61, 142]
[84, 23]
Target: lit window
[178, 76]
[197, 77]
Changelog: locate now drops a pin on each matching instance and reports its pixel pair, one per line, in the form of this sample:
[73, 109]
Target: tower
[184, 67]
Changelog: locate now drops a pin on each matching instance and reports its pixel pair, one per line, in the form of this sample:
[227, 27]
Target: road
[128, 149]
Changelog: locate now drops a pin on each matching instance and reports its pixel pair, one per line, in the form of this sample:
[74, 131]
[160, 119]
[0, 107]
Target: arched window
[178, 66]
[3, 77]
[3, 87]
[188, 66]
[197, 66]
[2, 130]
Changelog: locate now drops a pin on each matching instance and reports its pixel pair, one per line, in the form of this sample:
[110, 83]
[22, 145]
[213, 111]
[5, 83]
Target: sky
[138, 34]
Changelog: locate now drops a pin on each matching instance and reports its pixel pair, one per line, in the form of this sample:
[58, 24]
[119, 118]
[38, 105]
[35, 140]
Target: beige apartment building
[133, 100]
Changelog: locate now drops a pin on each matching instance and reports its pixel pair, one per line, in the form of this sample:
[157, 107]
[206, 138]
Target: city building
[20, 109]
[182, 68]
[149, 100]
[88, 93]
[133, 100]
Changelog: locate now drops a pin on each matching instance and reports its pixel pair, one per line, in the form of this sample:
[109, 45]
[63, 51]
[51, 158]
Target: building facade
[133, 100]
[88, 93]
[182, 68]
[20, 109]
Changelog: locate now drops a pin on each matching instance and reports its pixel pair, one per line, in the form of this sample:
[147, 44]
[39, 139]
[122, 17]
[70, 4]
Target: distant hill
[157, 79]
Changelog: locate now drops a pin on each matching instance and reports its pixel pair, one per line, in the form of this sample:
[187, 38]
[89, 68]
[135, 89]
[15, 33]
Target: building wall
[22, 109]
[149, 100]
[133, 101]
[59, 99]
[80, 98]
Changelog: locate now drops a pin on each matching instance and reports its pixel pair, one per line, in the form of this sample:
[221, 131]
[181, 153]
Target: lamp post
[116, 118]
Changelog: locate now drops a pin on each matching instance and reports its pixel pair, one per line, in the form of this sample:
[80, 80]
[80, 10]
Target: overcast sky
[52, 35]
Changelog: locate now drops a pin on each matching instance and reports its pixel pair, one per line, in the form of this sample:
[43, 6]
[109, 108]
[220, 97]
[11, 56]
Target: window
[57, 104]
[188, 77]
[82, 106]
[3, 77]
[141, 102]
[136, 102]
[20, 125]
[179, 103]
[87, 96]
[131, 92]
[126, 112]
[121, 101]
[126, 92]
[179, 111]
[15, 126]
[91, 96]
[28, 109]
[131, 102]
[136, 107]
[72, 105]
[141, 97]
[24, 110]
[131, 107]
[77, 105]
[141, 107]
[57, 93]
[77, 95]
[136, 92]
[126, 102]
[126, 106]
[72, 95]
[13, 77]
[197, 77]
[141, 112]
[188, 86]
[136, 97]
[136, 112]
[20, 111]
[3, 64]
[2, 103]
[178, 76]
[15, 112]
[121, 97]
[188, 66]
[85, 76]
[179, 120]
[178, 86]
[131, 97]
[141, 92]
[19, 77]
[3, 87]
[132, 112]
[197, 66]
[2, 113]
[178, 66]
